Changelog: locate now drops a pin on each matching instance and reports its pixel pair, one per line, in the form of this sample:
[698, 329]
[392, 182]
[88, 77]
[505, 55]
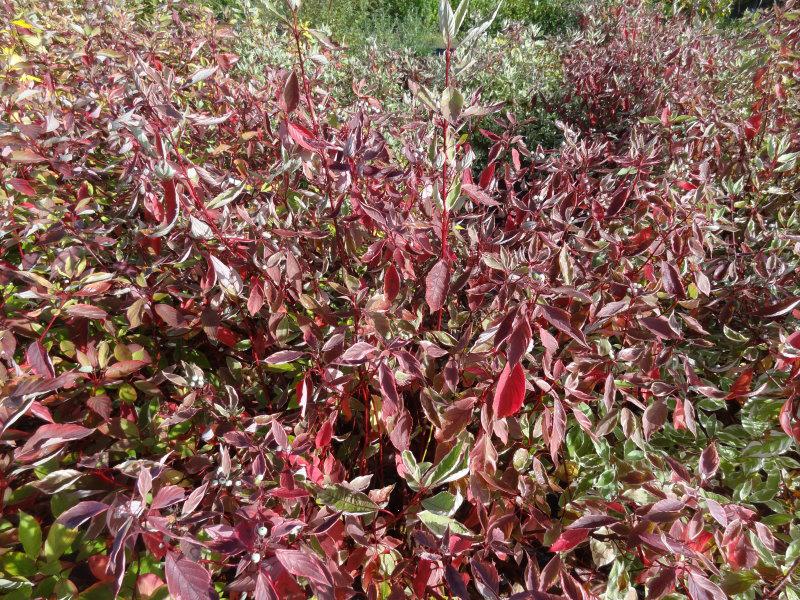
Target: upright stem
[315, 128]
[306, 86]
[445, 211]
[445, 231]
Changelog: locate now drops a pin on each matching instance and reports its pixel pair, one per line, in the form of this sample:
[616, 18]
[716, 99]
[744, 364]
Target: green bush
[706, 9]
[552, 16]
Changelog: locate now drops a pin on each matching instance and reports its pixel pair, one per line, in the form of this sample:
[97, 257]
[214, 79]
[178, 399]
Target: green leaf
[734, 335]
[443, 503]
[17, 564]
[9, 585]
[347, 501]
[413, 474]
[738, 582]
[461, 13]
[452, 467]
[477, 31]
[453, 194]
[565, 265]
[439, 524]
[451, 104]
[59, 538]
[447, 21]
[23, 592]
[225, 197]
[30, 535]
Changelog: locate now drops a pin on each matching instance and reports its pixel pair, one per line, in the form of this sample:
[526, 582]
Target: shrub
[251, 346]
[551, 16]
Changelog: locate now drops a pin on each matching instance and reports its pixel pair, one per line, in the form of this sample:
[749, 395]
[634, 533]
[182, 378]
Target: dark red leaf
[455, 583]
[76, 516]
[673, 284]
[187, 580]
[560, 319]
[709, 461]
[291, 93]
[518, 341]
[662, 584]
[436, 285]
[39, 360]
[660, 327]
[778, 309]
[391, 283]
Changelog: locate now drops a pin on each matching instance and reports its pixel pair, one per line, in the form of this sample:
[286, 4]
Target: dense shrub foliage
[262, 336]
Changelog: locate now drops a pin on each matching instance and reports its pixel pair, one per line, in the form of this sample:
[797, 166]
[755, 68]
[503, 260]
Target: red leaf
[611, 309]
[788, 420]
[510, 391]
[400, 435]
[256, 298]
[49, 436]
[752, 126]
[568, 539]
[665, 115]
[357, 354]
[740, 553]
[22, 186]
[227, 337]
[660, 327]
[87, 311]
[455, 582]
[391, 283]
[436, 284]
[557, 429]
[27, 157]
[39, 360]
[518, 341]
[167, 496]
[709, 461]
[662, 584]
[194, 500]
[324, 435]
[654, 418]
[301, 136]
[702, 588]
[300, 564]
[187, 580]
[283, 356]
[477, 195]
[101, 405]
[124, 368]
[741, 387]
[391, 399]
[487, 175]
[778, 309]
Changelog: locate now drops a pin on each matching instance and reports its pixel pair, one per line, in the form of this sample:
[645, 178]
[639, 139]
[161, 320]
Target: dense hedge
[257, 339]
